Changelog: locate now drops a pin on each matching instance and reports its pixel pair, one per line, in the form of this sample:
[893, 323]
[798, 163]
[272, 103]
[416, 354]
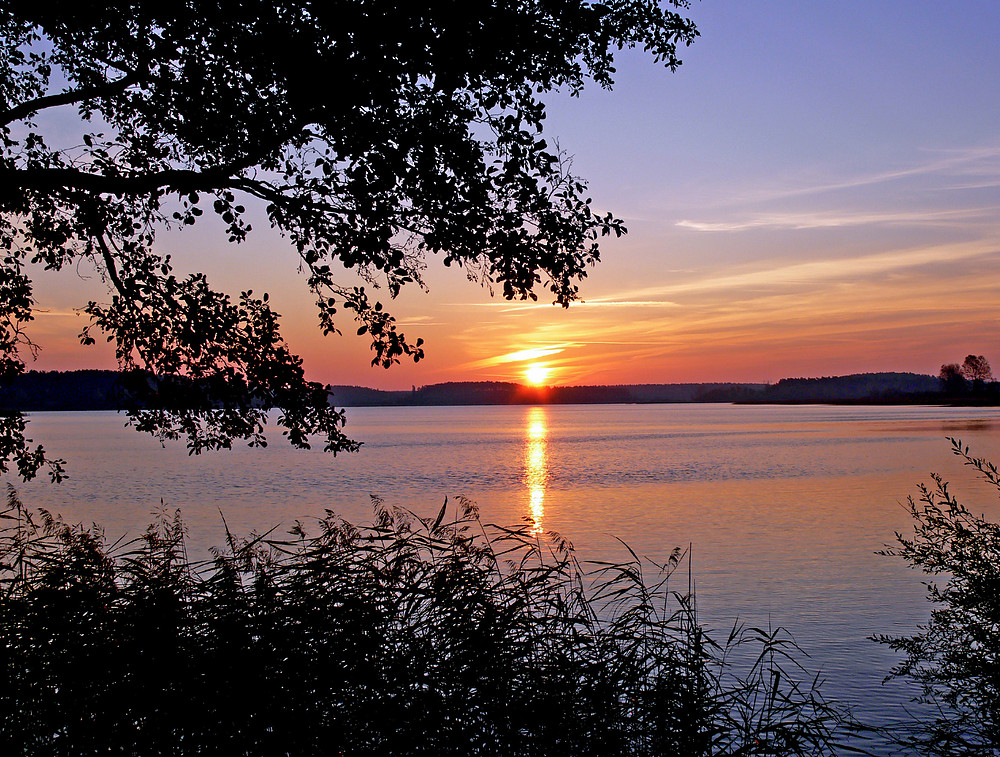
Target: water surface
[784, 507]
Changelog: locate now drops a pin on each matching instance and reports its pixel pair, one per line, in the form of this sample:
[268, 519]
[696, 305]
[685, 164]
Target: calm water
[784, 506]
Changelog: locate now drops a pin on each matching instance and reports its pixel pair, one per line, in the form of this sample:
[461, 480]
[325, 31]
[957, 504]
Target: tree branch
[183, 180]
[109, 263]
[179, 179]
[25, 109]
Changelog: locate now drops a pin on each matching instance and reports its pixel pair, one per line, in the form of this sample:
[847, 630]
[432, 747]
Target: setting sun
[536, 373]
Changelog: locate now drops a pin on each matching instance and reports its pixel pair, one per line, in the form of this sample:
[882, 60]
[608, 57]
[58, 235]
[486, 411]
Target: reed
[404, 636]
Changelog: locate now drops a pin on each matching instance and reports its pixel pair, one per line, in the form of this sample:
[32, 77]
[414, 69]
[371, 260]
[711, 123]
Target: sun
[536, 373]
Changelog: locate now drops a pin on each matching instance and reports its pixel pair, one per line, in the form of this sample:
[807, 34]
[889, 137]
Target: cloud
[837, 269]
[940, 170]
[533, 353]
[965, 161]
[616, 303]
[596, 302]
[40, 312]
[797, 221]
[421, 319]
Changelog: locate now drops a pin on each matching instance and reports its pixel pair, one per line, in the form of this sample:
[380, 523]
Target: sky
[815, 191]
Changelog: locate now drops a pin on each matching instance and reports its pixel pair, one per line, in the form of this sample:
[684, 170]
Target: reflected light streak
[536, 465]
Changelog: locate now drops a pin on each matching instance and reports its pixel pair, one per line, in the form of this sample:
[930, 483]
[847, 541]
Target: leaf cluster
[406, 636]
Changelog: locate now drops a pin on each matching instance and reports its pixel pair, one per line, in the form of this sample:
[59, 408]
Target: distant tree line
[509, 393]
[889, 388]
[110, 390]
[63, 390]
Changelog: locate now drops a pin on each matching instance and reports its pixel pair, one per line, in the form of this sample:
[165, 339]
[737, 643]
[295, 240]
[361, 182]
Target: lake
[784, 506]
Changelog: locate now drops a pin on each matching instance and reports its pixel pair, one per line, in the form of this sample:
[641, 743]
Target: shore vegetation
[404, 636]
[955, 658]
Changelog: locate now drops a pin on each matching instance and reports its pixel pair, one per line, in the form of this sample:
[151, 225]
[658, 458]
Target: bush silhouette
[406, 636]
[955, 658]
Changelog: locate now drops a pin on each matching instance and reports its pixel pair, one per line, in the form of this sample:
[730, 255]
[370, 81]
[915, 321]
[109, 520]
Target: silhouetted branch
[25, 109]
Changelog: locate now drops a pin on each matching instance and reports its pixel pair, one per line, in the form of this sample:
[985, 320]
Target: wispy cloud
[986, 184]
[421, 319]
[597, 302]
[937, 170]
[533, 353]
[965, 161]
[42, 312]
[615, 303]
[820, 270]
[797, 221]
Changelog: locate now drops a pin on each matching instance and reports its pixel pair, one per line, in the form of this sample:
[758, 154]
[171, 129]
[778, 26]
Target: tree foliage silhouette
[976, 368]
[374, 133]
[951, 377]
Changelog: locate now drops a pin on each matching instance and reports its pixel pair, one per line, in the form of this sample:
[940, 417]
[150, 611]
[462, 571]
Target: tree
[976, 368]
[951, 378]
[427, 140]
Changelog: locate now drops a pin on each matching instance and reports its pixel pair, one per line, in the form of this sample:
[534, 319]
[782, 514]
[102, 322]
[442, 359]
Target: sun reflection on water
[536, 464]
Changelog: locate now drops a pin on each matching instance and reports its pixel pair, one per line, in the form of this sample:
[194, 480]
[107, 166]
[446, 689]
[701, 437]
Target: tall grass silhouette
[404, 636]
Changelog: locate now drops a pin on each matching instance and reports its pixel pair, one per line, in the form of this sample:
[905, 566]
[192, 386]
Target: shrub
[955, 658]
[406, 636]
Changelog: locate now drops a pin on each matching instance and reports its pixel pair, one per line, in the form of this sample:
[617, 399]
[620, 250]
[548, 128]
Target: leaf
[440, 516]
